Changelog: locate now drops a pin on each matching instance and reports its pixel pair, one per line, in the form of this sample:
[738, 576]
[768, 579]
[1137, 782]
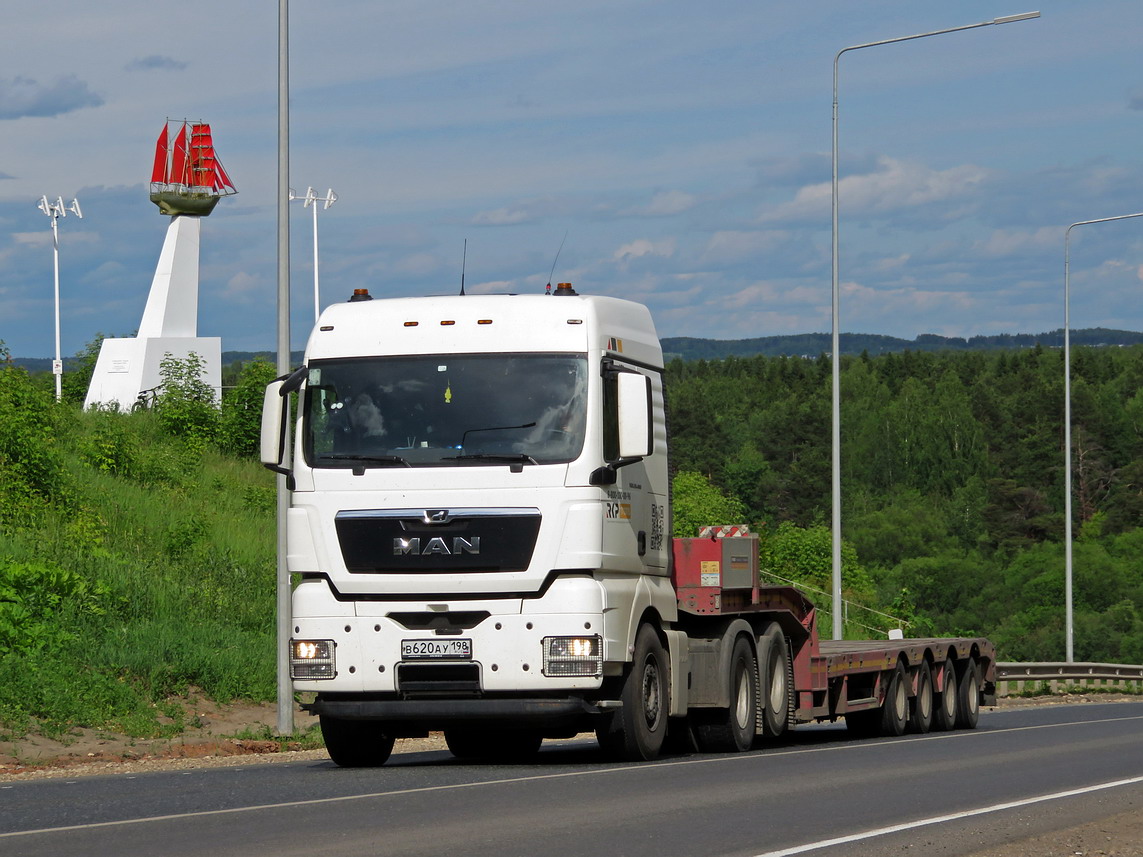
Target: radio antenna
[548, 290]
[463, 260]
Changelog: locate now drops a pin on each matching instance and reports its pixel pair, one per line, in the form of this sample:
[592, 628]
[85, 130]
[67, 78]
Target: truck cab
[478, 515]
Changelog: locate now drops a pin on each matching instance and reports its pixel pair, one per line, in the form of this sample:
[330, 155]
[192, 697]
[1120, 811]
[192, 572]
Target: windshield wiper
[522, 457]
[374, 459]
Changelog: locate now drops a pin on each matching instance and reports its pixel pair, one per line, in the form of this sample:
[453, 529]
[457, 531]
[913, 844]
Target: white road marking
[941, 819]
[725, 759]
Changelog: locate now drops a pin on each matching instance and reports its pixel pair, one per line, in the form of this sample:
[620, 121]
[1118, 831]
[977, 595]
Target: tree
[697, 503]
[242, 408]
[186, 403]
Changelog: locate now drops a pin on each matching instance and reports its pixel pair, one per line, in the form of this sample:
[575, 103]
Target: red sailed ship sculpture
[188, 177]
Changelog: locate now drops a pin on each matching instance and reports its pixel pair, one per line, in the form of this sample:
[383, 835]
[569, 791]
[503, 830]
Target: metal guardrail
[1016, 678]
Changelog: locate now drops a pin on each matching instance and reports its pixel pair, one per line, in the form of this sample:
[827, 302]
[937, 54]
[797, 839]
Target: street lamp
[284, 591]
[56, 210]
[836, 350]
[313, 199]
[1068, 605]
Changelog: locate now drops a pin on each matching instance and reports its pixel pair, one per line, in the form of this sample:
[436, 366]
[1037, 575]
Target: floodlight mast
[56, 210]
[311, 198]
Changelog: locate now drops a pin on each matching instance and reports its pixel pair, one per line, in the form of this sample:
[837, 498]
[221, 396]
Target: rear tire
[968, 698]
[731, 730]
[356, 743]
[636, 731]
[895, 708]
[947, 705]
[921, 719]
[775, 682]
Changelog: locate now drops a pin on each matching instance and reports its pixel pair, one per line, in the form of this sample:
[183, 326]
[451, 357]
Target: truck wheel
[968, 697]
[731, 730]
[945, 712]
[776, 681]
[499, 745]
[921, 719]
[636, 731]
[356, 743]
[895, 708]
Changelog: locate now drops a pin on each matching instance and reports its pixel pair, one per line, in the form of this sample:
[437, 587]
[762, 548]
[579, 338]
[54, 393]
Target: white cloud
[501, 217]
[23, 96]
[643, 247]
[894, 186]
[664, 204]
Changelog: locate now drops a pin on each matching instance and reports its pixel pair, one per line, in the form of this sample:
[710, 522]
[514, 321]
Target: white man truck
[479, 528]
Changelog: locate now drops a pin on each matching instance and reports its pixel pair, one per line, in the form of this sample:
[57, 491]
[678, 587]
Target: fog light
[310, 659]
[573, 656]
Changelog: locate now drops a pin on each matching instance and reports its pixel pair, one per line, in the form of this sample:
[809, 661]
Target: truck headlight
[310, 659]
[573, 656]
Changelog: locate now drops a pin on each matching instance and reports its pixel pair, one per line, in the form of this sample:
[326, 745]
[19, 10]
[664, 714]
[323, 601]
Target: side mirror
[634, 401]
[273, 440]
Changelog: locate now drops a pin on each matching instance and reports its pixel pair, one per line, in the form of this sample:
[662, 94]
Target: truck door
[635, 506]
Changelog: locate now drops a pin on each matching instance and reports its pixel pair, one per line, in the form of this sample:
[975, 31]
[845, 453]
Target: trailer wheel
[775, 681]
[356, 743]
[921, 719]
[968, 698]
[637, 730]
[895, 708]
[731, 730]
[945, 712]
[499, 745]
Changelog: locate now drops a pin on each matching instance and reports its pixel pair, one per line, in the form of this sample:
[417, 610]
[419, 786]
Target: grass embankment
[135, 567]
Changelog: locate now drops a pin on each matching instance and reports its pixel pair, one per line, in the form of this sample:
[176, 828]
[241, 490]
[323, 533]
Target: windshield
[446, 410]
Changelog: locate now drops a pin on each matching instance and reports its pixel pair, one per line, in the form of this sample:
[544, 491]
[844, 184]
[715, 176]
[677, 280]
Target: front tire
[636, 731]
[731, 730]
[356, 743]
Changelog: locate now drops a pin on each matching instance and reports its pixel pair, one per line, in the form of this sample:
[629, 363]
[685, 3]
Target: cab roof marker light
[575, 321]
[447, 323]
[411, 323]
[484, 321]
[326, 327]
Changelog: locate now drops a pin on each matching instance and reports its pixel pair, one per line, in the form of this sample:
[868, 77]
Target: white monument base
[127, 367]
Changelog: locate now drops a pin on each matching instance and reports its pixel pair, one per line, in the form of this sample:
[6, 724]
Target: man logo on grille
[436, 546]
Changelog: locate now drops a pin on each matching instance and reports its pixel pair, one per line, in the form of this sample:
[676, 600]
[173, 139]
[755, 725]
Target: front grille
[438, 679]
[406, 540]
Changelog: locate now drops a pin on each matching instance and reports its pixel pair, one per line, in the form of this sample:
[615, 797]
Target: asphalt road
[819, 793]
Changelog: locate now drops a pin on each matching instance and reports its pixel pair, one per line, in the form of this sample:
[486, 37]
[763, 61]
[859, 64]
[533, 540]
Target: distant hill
[815, 344]
[797, 345]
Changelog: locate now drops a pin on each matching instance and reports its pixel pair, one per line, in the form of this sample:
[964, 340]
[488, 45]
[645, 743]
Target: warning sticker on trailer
[709, 573]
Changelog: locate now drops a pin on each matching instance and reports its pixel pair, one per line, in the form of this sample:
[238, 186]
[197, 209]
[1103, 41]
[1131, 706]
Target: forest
[952, 484]
[137, 550]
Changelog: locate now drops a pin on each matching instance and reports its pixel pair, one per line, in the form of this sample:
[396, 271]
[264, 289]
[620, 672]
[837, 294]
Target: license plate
[456, 648]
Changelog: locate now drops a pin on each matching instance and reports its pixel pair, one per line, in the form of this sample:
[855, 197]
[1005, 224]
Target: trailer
[479, 528]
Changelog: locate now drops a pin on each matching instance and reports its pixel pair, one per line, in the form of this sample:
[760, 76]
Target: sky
[679, 152]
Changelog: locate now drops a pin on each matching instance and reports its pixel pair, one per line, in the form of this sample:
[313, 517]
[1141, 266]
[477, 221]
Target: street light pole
[836, 294]
[56, 210]
[311, 198]
[285, 690]
[1069, 633]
